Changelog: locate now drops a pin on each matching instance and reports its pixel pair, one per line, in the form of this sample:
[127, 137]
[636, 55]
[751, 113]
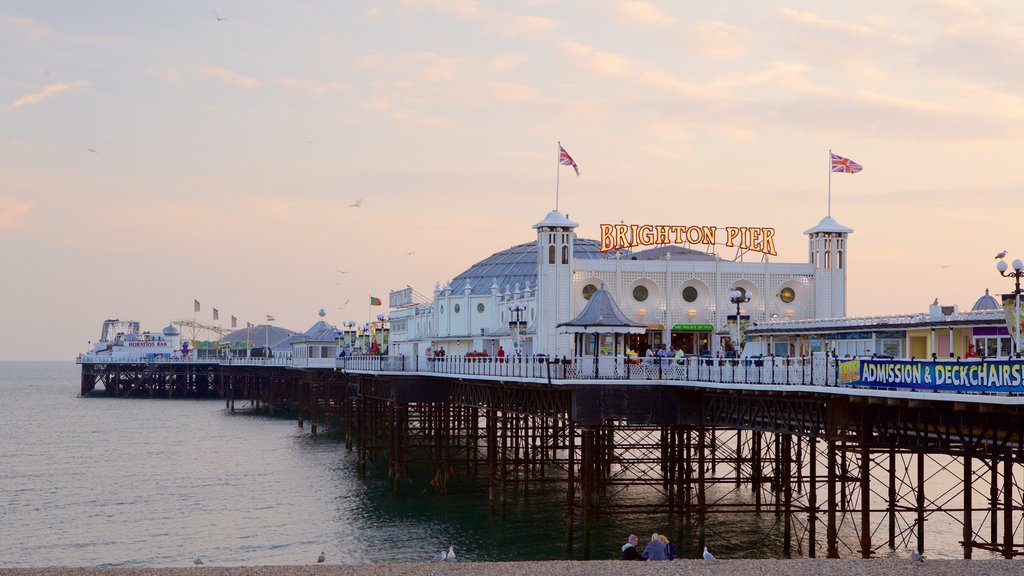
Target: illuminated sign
[976, 376]
[616, 236]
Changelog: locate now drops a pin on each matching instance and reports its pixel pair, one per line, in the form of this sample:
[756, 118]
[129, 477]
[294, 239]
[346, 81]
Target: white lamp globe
[1001, 266]
[1018, 265]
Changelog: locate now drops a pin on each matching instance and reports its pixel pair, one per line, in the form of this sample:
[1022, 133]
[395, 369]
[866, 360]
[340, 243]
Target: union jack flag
[840, 164]
[565, 160]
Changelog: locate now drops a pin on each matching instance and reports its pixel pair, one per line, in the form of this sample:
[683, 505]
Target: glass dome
[517, 264]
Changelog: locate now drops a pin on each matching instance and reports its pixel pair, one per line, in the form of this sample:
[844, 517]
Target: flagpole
[829, 182]
[558, 171]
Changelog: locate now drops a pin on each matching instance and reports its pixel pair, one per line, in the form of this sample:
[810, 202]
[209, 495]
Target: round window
[480, 308]
[640, 293]
[588, 291]
[787, 295]
[690, 294]
[456, 308]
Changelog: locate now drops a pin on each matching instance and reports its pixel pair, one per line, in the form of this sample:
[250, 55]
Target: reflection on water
[119, 482]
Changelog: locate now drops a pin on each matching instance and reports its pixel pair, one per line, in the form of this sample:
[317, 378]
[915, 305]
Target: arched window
[565, 254]
[839, 260]
[828, 260]
[551, 254]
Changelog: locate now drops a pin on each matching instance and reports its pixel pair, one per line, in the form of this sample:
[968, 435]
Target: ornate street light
[515, 323]
[1018, 271]
[738, 296]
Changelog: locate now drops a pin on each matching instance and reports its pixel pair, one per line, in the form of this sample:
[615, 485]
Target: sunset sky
[156, 153]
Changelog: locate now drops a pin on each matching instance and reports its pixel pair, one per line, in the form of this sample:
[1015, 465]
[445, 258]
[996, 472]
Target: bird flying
[219, 19]
[410, 253]
[342, 271]
[321, 558]
[1001, 255]
[708, 555]
[944, 266]
[346, 302]
[356, 204]
[93, 150]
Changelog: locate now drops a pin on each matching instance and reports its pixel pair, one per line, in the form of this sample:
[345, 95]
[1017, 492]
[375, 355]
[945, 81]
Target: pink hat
[632, 539]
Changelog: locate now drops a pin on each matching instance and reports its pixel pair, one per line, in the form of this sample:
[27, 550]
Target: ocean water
[149, 482]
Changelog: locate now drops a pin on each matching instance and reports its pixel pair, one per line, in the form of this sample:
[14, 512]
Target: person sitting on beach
[670, 550]
[629, 551]
[655, 550]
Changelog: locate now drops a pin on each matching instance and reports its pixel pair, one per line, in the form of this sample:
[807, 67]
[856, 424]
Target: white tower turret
[827, 251]
[555, 239]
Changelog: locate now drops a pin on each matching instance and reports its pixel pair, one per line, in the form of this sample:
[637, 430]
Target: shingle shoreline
[802, 567]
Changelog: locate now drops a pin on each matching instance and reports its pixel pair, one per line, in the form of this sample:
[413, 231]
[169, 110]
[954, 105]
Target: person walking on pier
[655, 550]
[629, 551]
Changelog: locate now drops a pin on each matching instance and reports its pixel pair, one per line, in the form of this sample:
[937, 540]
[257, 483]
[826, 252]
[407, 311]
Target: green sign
[693, 328]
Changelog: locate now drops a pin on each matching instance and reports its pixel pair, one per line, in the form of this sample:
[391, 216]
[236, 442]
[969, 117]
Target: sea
[113, 482]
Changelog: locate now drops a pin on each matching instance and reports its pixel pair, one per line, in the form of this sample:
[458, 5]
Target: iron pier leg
[920, 501]
[865, 496]
[787, 493]
[812, 496]
[588, 488]
[968, 521]
[892, 498]
[570, 495]
[701, 501]
[1008, 506]
[831, 536]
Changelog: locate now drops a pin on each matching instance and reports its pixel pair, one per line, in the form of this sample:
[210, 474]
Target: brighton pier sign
[617, 236]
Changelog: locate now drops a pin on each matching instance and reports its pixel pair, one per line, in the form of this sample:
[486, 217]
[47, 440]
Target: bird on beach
[915, 556]
[1001, 255]
[708, 555]
[197, 560]
[321, 558]
[450, 557]
[439, 557]
[356, 204]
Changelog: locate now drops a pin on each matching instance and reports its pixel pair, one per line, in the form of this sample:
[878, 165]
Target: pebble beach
[803, 567]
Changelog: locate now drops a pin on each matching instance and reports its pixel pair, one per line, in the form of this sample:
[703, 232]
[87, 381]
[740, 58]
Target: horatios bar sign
[617, 236]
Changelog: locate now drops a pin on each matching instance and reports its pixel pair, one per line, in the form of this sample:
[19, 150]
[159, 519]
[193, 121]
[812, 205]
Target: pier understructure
[828, 473]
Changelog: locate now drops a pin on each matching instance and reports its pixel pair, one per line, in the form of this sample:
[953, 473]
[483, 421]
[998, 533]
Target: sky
[157, 153]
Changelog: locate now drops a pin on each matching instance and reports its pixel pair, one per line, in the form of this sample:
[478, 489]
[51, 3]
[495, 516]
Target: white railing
[819, 370]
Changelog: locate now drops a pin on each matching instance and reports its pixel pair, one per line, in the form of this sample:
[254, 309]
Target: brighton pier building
[671, 293]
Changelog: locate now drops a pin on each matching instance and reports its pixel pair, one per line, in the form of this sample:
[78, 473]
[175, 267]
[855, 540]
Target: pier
[839, 469]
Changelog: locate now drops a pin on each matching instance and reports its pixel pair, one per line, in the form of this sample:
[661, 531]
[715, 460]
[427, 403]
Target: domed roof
[986, 302]
[516, 265]
[172, 330]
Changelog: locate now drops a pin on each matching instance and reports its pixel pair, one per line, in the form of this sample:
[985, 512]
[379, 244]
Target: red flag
[565, 160]
[195, 305]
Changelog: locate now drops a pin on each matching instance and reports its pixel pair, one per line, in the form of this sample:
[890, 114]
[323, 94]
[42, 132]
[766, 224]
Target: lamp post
[349, 333]
[1018, 271]
[515, 321]
[738, 296]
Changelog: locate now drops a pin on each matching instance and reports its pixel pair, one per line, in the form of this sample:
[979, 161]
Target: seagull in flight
[1001, 255]
[219, 19]
[342, 271]
[944, 266]
[93, 150]
[346, 302]
[321, 558]
[356, 204]
[708, 555]
[410, 253]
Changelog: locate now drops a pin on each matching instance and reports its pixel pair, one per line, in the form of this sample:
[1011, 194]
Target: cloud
[508, 61]
[811, 20]
[460, 7]
[644, 12]
[26, 25]
[165, 74]
[312, 88]
[228, 77]
[528, 26]
[510, 92]
[46, 93]
[12, 213]
[715, 39]
[423, 66]
[605, 63]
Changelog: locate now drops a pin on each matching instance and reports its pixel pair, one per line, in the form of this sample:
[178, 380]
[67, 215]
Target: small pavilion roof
[601, 315]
